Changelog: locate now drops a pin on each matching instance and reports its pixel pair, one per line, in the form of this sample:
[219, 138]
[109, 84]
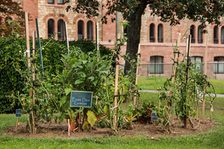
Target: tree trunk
[133, 35]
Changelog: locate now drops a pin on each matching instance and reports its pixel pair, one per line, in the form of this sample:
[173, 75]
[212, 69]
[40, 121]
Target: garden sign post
[18, 115]
[80, 99]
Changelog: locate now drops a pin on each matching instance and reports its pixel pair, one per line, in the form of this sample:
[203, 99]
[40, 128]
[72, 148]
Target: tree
[168, 10]
[10, 9]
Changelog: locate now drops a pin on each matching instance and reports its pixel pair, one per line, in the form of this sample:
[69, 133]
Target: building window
[156, 65]
[61, 1]
[61, 30]
[152, 32]
[80, 30]
[216, 35]
[50, 28]
[192, 32]
[90, 30]
[160, 33]
[197, 61]
[219, 65]
[222, 35]
[50, 1]
[200, 34]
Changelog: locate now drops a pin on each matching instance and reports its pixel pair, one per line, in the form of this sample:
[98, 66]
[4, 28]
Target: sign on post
[81, 99]
[18, 113]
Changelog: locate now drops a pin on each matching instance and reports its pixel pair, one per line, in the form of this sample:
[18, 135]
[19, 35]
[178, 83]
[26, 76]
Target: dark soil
[152, 131]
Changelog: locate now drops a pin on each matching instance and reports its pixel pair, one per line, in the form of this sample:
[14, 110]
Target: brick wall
[208, 50]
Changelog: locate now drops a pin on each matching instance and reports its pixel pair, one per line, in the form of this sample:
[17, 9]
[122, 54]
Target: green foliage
[11, 81]
[14, 81]
[91, 118]
[182, 92]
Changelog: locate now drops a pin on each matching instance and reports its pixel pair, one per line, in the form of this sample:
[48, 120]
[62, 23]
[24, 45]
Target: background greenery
[12, 60]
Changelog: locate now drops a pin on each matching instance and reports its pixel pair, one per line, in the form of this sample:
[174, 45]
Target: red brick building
[157, 38]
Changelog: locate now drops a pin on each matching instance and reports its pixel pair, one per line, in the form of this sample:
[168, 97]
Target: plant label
[18, 113]
[81, 99]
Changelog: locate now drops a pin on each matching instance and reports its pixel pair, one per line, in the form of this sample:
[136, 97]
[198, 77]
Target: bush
[12, 60]
[11, 81]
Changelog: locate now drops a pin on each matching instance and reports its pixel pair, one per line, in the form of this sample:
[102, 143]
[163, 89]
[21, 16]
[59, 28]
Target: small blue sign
[81, 99]
[154, 116]
[18, 113]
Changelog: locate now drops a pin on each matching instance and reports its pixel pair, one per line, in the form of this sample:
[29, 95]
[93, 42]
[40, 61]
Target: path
[156, 91]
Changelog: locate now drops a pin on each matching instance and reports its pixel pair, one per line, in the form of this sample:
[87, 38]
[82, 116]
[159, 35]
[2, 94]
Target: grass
[151, 83]
[154, 83]
[218, 85]
[213, 139]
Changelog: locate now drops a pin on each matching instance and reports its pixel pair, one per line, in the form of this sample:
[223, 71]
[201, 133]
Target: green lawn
[213, 139]
[154, 83]
[151, 83]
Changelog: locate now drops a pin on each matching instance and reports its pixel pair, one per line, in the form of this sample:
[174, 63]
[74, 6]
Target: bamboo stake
[17, 123]
[203, 102]
[33, 78]
[29, 67]
[187, 77]
[176, 58]
[97, 39]
[27, 40]
[69, 128]
[67, 42]
[115, 117]
[136, 75]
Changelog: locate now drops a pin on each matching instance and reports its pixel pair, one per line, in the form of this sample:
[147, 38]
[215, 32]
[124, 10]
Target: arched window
[50, 1]
[61, 30]
[50, 28]
[219, 65]
[197, 61]
[152, 32]
[216, 35]
[156, 65]
[200, 34]
[222, 35]
[160, 33]
[192, 32]
[80, 30]
[90, 30]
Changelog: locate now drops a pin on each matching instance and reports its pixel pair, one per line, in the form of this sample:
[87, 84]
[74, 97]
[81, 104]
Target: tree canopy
[168, 10]
[10, 9]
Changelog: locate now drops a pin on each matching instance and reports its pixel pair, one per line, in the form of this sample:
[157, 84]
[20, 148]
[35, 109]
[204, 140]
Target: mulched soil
[148, 130]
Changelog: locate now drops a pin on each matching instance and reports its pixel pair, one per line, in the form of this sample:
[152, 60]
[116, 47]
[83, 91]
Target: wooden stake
[27, 40]
[115, 119]
[176, 58]
[203, 102]
[136, 75]
[17, 123]
[97, 39]
[31, 118]
[33, 79]
[67, 42]
[69, 128]
[187, 77]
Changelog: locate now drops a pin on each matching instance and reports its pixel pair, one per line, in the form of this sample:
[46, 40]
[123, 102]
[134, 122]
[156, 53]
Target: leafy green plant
[11, 81]
[180, 97]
